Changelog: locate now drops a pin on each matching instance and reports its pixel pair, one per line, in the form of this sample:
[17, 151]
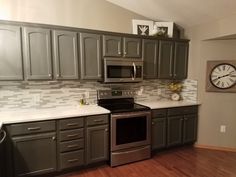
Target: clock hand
[225, 75]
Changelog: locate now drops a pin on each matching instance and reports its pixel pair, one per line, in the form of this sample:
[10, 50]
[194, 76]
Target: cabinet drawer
[97, 120]
[72, 159]
[182, 110]
[71, 123]
[34, 127]
[71, 145]
[71, 134]
[159, 113]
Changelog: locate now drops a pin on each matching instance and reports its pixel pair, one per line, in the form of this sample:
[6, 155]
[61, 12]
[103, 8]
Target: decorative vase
[175, 97]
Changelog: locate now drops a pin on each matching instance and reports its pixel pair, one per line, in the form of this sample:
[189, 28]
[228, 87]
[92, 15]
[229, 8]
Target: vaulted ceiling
[186, 13]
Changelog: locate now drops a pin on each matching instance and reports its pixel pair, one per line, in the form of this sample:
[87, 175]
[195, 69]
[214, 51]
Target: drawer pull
[72, 135]
[73, 160]
[72, 146]
[34, 128]
[72, 124]
[98, 120]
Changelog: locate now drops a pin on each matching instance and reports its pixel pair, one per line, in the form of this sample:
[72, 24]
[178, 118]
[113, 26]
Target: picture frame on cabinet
[142, 27]
[167, 28]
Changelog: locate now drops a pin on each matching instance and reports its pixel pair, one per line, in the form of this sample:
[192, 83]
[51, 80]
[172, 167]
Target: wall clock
[221, 76]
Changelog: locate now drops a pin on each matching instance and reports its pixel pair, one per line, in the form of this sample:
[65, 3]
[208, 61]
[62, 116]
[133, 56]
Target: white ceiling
[186, 13]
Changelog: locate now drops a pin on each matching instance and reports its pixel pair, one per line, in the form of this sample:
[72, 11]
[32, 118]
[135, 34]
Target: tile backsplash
[49, 94]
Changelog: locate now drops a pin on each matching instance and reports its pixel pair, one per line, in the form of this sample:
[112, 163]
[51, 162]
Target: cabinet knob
[53, 138]
[125, 52]
[50, 75]
[119, 52]
[106, 130]
[58, 75]
[153, 123]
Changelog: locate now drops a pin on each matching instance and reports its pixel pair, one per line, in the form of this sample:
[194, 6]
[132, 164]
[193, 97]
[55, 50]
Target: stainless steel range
[130, 126]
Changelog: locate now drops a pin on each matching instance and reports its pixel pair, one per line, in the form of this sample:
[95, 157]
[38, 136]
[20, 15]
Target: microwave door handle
[135, 72]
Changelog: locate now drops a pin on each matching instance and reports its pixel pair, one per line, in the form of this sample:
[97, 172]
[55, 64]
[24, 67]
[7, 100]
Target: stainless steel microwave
[122, 70]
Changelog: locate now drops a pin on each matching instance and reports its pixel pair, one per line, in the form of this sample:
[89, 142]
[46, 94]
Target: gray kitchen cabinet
[158, 133]
[90, 56]
[132, 47]
[181, 60]
[37, 53]
[165, 59]
[65, 55]
[149, 55]
[97, 145]
[34, 154]
[119, 46]
[173, 60]
[10, 53]
[181, 125]
[112, 46]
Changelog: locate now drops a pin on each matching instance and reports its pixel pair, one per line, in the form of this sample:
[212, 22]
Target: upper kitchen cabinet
[149, 55]
[10, 53]
[37, 53]
[90, 56]
[118, 46]
[132, 47]
[181, 60]
[65, 55]
[112, 46]
[173, 60]
[165, 59]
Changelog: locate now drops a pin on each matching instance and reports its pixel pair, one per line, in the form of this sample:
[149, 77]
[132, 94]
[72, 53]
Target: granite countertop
[32, 114]
[166, 104]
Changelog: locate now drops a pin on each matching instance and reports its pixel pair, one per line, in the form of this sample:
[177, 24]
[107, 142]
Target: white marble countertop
[166, 104]
[28, 115]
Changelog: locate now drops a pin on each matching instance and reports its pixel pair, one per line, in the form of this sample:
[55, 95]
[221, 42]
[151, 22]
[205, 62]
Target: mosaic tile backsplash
[49, 94]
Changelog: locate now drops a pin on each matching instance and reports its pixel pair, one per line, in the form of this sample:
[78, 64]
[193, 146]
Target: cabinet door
[65, 55]
[174, 130]
[158, 133]
[190, 128]
[97, 144]
[150, 53]
[112, 46]
[90, 51]
[34, 154]
[10, 53]
[165, 59]
[132, 47]
[37, 53]
[181, 60]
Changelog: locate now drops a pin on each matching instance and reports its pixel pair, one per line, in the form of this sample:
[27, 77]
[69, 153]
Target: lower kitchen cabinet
[174, 130]
[158, 133]
[189, 128]
[34, 154]
[97, 144]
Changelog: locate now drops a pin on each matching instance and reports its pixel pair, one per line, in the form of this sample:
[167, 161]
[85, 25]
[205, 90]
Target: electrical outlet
[140, 91]
[222, 128]
[159, 91]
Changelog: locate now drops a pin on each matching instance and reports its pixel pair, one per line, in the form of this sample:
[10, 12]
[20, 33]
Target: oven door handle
[131, 114]
[4, 136]
[128, 152]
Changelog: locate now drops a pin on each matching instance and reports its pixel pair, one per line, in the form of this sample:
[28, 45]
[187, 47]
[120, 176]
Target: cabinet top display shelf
[75, 29]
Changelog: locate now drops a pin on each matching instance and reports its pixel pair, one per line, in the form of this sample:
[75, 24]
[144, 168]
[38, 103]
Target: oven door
[122, 70]
[130, 129]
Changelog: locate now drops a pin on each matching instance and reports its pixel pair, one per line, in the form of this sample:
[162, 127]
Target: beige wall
[217, 108]
[92, 14]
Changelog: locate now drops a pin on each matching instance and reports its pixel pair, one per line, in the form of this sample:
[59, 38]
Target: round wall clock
[221, 76]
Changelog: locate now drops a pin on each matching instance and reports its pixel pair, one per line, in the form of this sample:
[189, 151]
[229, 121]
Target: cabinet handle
[106, 130]
[4, 135]
[98, 120]
[53, 138]
[72, 146]
[73, 135]
[72, 124]
[49, 75]
[119, 52]
[34, 128]
[73, 160]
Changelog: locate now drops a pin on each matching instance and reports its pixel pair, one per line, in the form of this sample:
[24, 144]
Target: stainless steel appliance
[130, 126]
[2, 161]
[122, 70]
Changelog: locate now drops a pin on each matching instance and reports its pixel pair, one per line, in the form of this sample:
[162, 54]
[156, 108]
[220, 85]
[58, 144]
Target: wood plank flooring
[178, 162]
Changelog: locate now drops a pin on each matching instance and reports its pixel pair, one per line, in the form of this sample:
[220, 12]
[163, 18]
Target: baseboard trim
[215, 148]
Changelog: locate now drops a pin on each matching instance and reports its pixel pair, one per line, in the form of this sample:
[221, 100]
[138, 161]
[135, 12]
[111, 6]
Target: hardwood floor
[178, 162]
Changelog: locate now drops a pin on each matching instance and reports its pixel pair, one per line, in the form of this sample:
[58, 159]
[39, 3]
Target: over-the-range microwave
[122, 70]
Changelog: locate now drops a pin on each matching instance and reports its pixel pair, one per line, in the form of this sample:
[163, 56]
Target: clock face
[223, 76]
